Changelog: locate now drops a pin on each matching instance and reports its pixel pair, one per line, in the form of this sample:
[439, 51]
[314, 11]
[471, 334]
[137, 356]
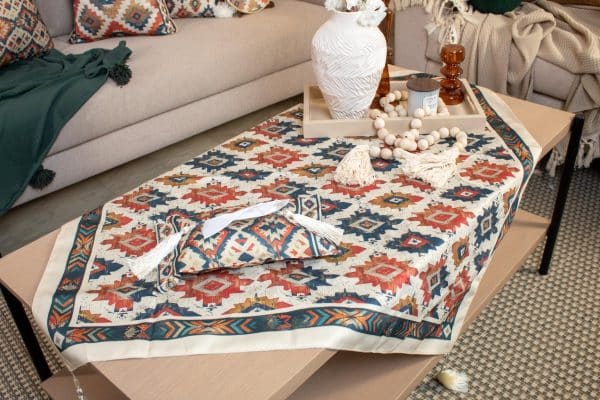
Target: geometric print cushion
[100, 19]
[247, 242]
[249, 6]
[23, 34]
[199, 8]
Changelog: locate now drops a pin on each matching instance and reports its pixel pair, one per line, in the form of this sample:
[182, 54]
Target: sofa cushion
[93, 20]
[205, 57]
[23, 34]
[58, 16]
[199, 8]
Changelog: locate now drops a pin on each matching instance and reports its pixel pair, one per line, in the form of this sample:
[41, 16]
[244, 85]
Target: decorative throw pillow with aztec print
[101, 19]
[277, 236]
[200, 8]
[23, 34]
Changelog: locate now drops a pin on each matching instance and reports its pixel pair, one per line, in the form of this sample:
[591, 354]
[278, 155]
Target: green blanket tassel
[42, 178]
[120, 73]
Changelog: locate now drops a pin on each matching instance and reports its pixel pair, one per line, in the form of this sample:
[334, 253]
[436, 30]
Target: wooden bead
[435, 134]
[374, 151]
[444, 132]
[383, 101]
[430, 139]
[428, 111]
[416, 123]
[419, 113]
[397, 153]
[423, 144]
[398, 94]
[402, 112]
[374, 113]
[408, 144]
[384, 116]
[415, 133]
[379, 123]
[388, 108]
[393, 114]
[382, 133]
[404, 95]
[454, 130]
[389, 139]
[459, 146]
[390, 97]
[461, 135]
[386, 153]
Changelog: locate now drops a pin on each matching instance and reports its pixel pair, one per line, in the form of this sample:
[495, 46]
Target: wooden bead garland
[411, 140]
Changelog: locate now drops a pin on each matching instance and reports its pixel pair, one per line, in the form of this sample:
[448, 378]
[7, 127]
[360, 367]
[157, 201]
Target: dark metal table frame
[41, 365]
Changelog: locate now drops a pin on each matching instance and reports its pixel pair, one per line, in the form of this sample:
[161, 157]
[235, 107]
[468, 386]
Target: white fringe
[355, 169]
[435, 169]
[454, 380]
[319, 228]
[589, 150]
[141, 266]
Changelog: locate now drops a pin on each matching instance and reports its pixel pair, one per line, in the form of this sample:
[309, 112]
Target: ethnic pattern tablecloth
[411, 257]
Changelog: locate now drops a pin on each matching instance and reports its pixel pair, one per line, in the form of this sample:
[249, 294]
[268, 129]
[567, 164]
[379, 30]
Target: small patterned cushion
[255, 241]
[100, 19]
[199, 8]
[23, 34]
[249, 6]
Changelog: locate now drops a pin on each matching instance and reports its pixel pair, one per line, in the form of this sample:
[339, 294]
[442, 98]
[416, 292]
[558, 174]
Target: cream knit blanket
[500, 51]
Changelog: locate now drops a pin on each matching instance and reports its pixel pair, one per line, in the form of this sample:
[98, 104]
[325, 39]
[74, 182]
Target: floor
[537, 339]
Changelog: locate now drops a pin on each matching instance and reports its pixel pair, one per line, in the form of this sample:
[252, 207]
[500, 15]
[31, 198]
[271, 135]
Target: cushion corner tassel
[319, 228]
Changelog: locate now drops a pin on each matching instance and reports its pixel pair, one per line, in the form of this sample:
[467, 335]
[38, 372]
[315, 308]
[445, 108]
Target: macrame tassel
[355, 169]
[42, 178]
[144, 264]
[120, 73]
[454, 380]
[435, 169]
[319, 228]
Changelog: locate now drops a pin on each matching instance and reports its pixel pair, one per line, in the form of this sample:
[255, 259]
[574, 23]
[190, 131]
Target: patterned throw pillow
[100, 19]
[23, 34]
[249, 6]
[246, 242]
[199, 8]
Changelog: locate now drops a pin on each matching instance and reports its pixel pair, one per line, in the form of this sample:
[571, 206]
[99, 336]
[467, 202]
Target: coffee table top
[261, 375]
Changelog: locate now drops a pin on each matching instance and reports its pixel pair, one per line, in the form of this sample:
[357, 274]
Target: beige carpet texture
[538, 339]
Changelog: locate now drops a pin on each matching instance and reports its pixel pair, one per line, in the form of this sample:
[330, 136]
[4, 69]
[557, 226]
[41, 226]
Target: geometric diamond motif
[368, 225]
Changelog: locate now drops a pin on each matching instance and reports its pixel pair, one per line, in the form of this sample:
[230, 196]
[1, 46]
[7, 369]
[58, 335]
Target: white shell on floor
[386, 153]
[454, 380]
[444, 132]
[379, 123]
[423, 144]
[454, 131]
[416, 123]
[389, 139]
[382, 133]
[374, 151]
[419, 113]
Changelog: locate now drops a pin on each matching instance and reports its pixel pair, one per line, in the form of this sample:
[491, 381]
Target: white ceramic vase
[348, 60]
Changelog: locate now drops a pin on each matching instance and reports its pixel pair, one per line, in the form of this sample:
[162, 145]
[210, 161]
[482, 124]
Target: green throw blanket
[37, 98]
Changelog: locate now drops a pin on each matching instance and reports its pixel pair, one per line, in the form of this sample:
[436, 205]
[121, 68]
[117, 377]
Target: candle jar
[423, 93]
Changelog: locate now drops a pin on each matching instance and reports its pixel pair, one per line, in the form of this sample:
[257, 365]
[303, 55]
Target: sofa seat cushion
[205, 57]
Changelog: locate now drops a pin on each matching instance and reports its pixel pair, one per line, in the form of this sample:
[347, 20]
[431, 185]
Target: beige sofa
[209, 72]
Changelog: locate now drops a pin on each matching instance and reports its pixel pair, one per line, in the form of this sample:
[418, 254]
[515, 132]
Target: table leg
[563, 192]
[27, 334]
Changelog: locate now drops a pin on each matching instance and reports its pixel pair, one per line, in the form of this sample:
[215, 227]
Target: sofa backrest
[58, 16]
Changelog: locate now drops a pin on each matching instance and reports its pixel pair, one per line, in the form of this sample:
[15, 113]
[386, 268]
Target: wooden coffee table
[291, 374]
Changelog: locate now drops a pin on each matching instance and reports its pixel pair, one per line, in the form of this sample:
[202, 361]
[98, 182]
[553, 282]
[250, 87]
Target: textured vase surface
[348, 60]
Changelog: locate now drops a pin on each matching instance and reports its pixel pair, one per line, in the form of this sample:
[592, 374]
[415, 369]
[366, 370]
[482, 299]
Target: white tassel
[355, 169]
[454, 380]
[435, 169]
[223, 10]
[144, 264]
[319, 228]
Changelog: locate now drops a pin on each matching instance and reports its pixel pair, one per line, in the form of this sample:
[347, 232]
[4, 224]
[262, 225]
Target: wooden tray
[468, 116]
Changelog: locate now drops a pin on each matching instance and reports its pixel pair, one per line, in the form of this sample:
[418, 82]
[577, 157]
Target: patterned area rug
[524, 345]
